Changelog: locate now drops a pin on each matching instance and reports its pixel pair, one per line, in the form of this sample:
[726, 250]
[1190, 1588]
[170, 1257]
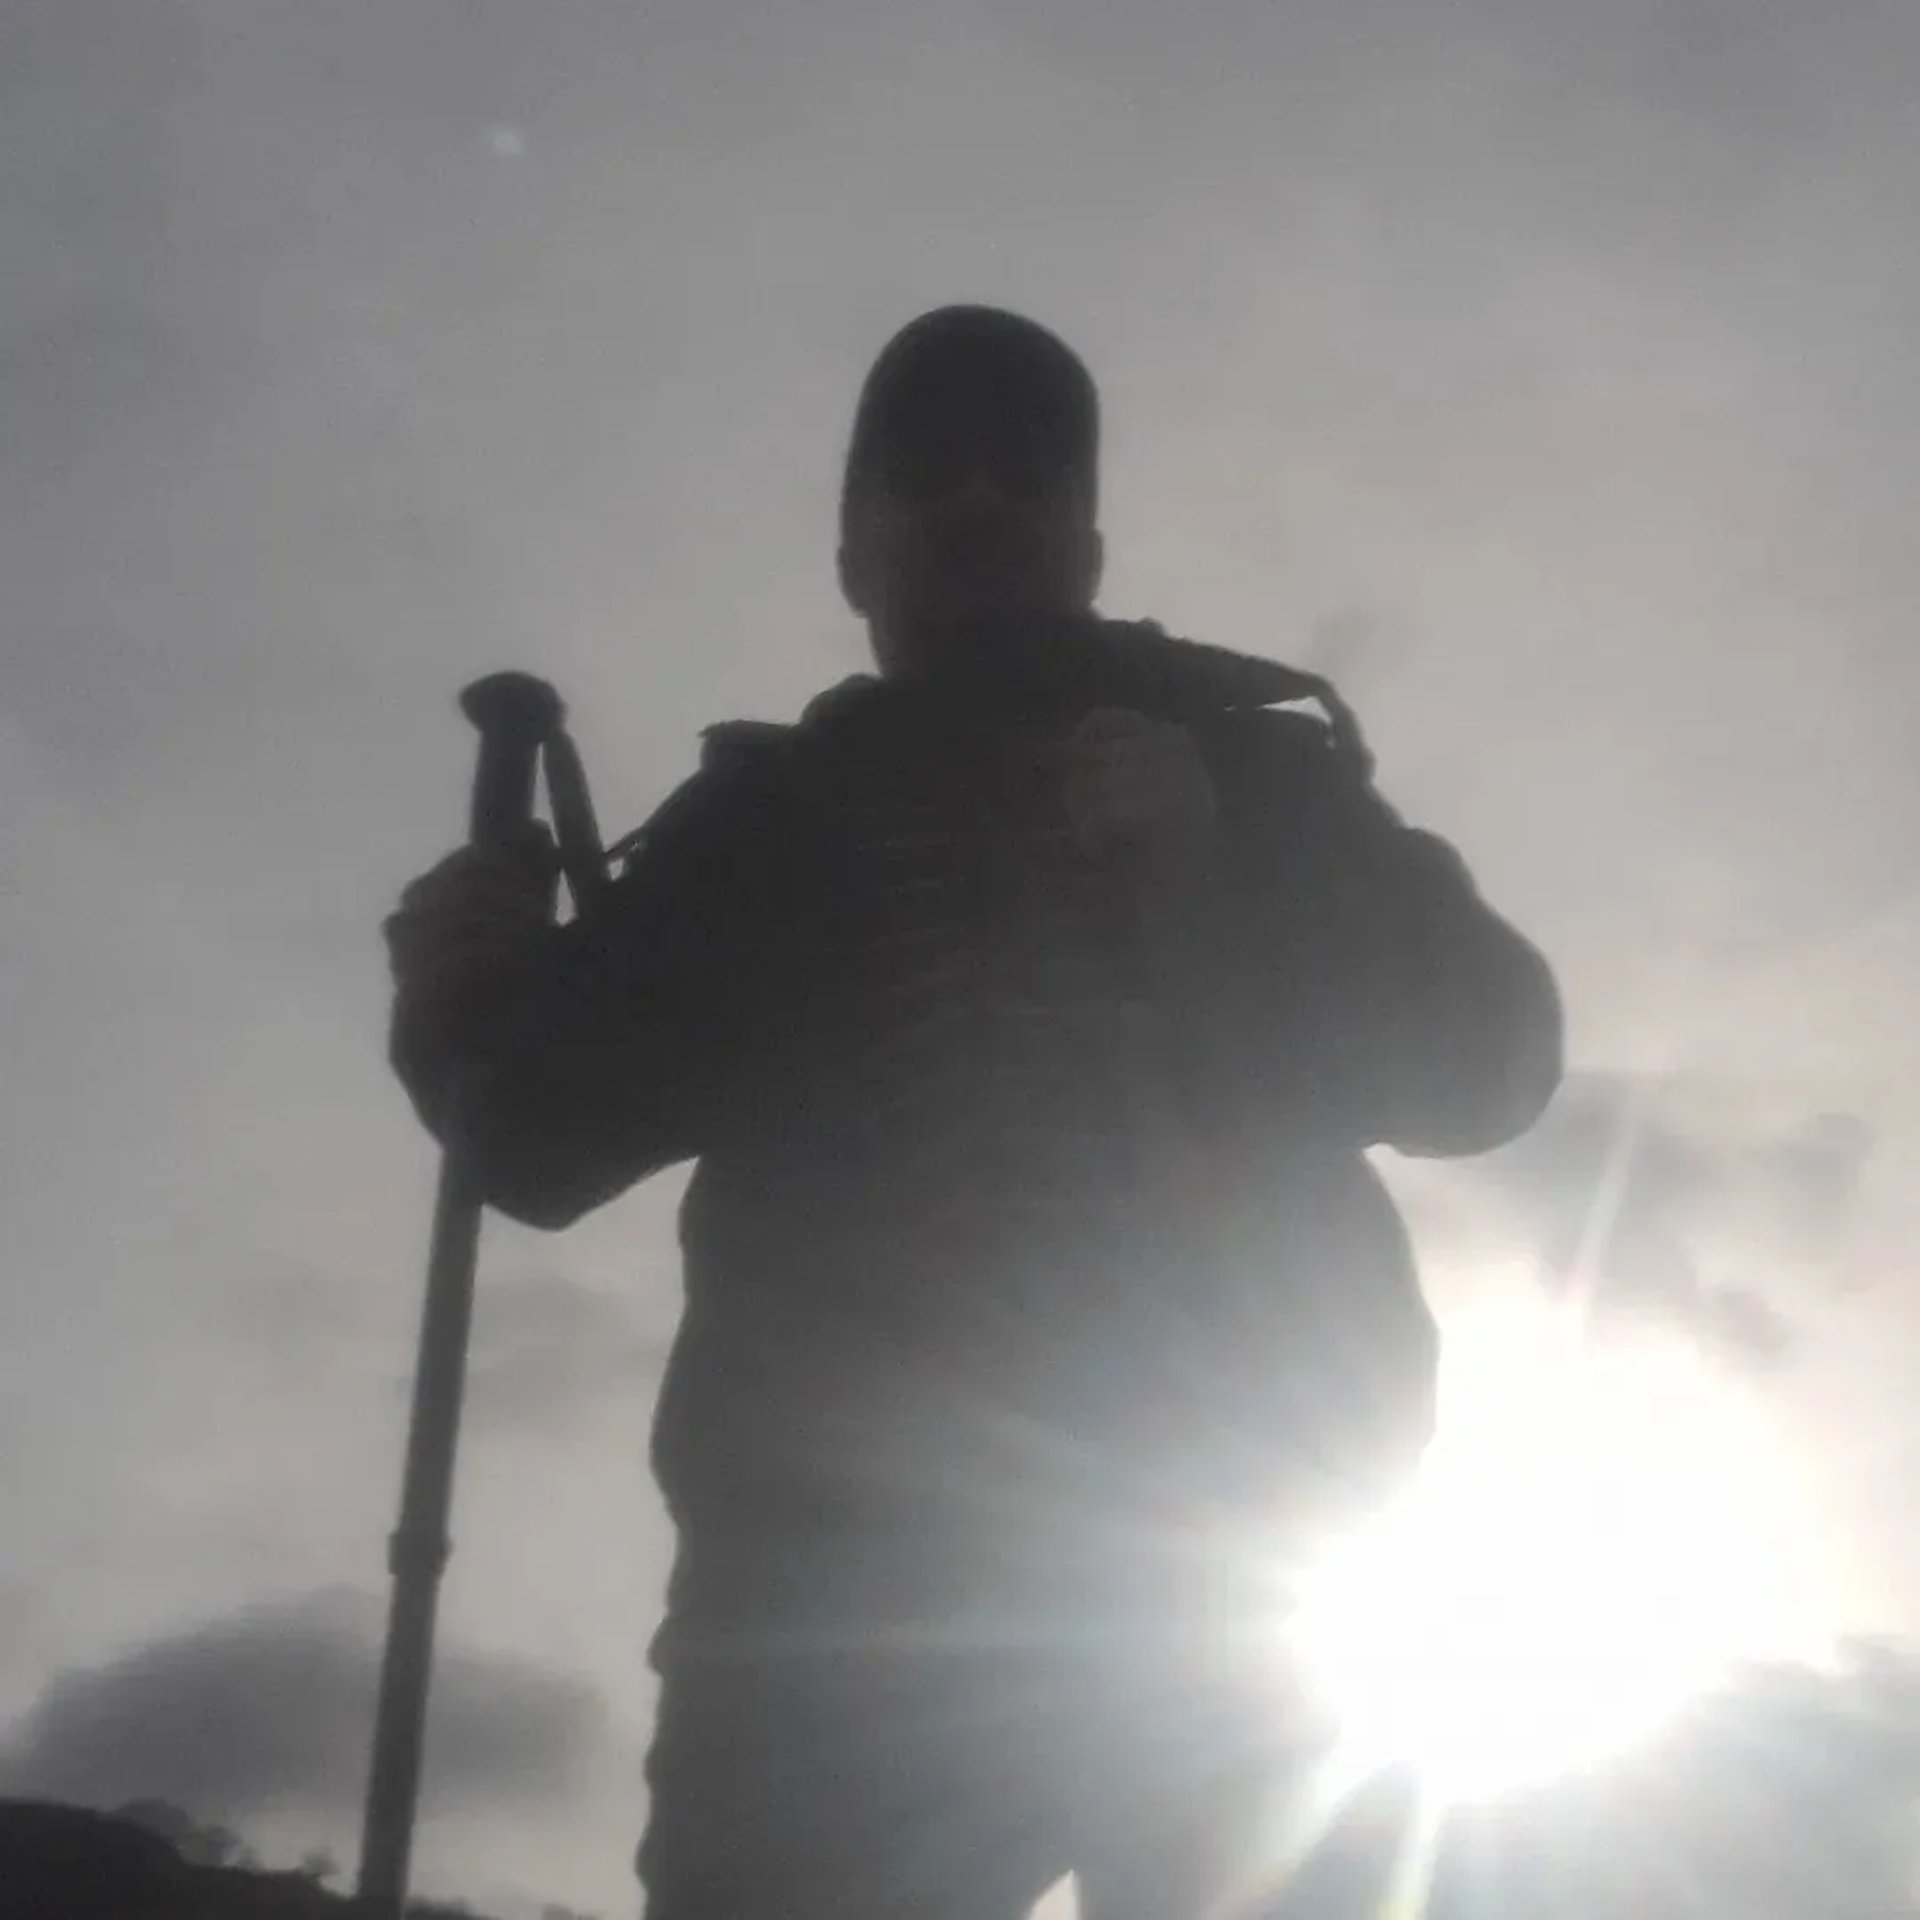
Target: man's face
[968, 514]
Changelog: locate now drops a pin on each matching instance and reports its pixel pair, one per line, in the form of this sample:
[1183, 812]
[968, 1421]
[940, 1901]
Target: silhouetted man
[1028, 1007]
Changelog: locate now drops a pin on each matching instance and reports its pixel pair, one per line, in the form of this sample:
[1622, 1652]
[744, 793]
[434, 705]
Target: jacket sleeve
[604, 1057]
[1430, 1023]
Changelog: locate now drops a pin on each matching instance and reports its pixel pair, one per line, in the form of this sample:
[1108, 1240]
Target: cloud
[1784, 1792]
[547, 1348]
[270, 1710]
[1788, 1791]
[1664, 1198]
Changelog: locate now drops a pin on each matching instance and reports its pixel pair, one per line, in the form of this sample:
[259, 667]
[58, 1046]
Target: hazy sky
[1547, 370]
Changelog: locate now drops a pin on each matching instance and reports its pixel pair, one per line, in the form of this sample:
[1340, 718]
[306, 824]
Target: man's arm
[598, 1052]
[1456, 1014]
[1433, 1026]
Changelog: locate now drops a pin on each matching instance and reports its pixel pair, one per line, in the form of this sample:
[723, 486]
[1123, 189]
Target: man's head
[971, 483]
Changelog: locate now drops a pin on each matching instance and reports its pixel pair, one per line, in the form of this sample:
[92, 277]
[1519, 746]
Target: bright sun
[1592, 1539]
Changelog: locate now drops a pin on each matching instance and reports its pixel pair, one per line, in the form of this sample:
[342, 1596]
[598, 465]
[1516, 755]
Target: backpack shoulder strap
[727, 749]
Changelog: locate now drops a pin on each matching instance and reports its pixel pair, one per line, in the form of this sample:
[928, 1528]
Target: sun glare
[1592, 1539]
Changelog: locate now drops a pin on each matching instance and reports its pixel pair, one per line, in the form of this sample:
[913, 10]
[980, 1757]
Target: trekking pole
[517, 716]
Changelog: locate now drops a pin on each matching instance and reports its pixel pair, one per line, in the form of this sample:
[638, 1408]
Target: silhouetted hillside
[70, 1863]
[1788, 1794]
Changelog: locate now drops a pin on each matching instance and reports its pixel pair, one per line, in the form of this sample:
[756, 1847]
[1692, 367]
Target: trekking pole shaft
[418, 1549]
[514, 713]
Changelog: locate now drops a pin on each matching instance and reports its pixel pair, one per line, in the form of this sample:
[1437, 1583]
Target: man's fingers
[463, 920]
[480, 873]
[1110, 723]
[450, 959]
[1127, 778]
[457, 894]
[435, 963]
[475, 908]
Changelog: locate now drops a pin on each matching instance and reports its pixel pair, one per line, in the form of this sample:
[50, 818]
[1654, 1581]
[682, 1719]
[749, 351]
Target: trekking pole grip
[515, 713]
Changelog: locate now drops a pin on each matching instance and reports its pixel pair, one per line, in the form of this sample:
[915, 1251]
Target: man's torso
[962, 1245]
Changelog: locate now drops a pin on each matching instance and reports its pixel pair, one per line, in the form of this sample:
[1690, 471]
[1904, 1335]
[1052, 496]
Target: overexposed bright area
[1596, 1535]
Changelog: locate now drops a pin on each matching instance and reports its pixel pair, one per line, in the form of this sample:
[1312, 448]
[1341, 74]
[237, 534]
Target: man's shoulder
[732, 787]
[736, 745]
[730, 746]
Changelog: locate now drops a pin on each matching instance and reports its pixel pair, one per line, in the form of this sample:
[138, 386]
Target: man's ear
[1091, 562]
[853, 585]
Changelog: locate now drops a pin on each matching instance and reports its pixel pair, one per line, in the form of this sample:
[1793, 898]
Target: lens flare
[1592, 1539]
